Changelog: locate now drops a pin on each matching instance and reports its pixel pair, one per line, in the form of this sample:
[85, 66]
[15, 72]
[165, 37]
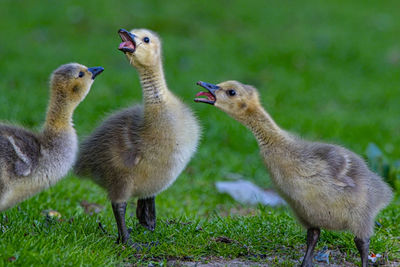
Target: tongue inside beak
[207, 94]
[126, 44]
[210, 97]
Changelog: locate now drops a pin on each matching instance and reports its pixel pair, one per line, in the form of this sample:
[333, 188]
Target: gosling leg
[146, 212]
[312, 239]
[119, 210]
[363, 247]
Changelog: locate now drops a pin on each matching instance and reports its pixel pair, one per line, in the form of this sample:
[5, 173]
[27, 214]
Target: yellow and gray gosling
[141, 150]
[327, 186]
[31, 162]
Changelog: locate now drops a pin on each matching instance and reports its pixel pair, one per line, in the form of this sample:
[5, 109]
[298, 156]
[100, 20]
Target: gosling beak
[128, 41]
[211, 98]
[95, 71]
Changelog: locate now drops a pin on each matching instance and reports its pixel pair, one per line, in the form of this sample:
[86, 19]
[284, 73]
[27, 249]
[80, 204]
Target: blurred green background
[326, 70]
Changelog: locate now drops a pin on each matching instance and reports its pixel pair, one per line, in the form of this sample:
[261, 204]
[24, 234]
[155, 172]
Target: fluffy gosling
[327, 186]
[31, 162]
[140, 151]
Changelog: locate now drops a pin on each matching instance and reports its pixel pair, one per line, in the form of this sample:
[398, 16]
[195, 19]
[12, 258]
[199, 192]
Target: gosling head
[233, 97]
[70, 83]
[142, 47]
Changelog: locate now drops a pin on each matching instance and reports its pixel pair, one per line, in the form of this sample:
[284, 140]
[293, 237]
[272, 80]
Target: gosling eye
[146, 39]
[231, 92]
[81, 74]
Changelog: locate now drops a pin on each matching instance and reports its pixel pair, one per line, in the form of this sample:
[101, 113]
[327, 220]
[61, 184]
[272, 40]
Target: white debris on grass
[246, 192]
[323, 255]
[374, 257]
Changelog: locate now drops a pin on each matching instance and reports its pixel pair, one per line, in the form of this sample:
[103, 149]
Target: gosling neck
[264, 128]
[153, 83]
[59, 115]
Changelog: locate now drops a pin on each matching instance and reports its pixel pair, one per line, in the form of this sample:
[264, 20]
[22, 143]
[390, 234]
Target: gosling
[141, 150]
[327, 186]
[31, 162]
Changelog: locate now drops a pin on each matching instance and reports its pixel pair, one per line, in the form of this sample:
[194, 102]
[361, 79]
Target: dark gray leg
[119, 210]
[363, 247]
[312, 239]
[146, 212]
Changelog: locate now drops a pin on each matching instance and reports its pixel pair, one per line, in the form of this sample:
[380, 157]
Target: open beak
[211, 98]
[128, 41]
[95, 71]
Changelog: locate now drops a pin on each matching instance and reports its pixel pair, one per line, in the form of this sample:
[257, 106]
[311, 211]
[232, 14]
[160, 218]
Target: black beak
[123, 31]
[95, 71]
[127, 36]
[211, 97]
[209, 86]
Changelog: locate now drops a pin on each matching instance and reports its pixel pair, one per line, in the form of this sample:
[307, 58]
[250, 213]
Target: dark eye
[81, 74]
[231, 92]
[146, 39]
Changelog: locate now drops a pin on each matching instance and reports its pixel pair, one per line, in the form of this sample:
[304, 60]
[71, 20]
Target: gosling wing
[336, 162]
[19, 150]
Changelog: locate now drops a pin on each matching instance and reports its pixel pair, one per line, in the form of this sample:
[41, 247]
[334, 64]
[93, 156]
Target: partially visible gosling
[31, 162]
[140, 151]
[327, 186]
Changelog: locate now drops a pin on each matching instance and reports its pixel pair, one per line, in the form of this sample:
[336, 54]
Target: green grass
[326, 70]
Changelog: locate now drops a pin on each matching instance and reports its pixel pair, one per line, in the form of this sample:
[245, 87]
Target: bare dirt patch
[271, 261]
